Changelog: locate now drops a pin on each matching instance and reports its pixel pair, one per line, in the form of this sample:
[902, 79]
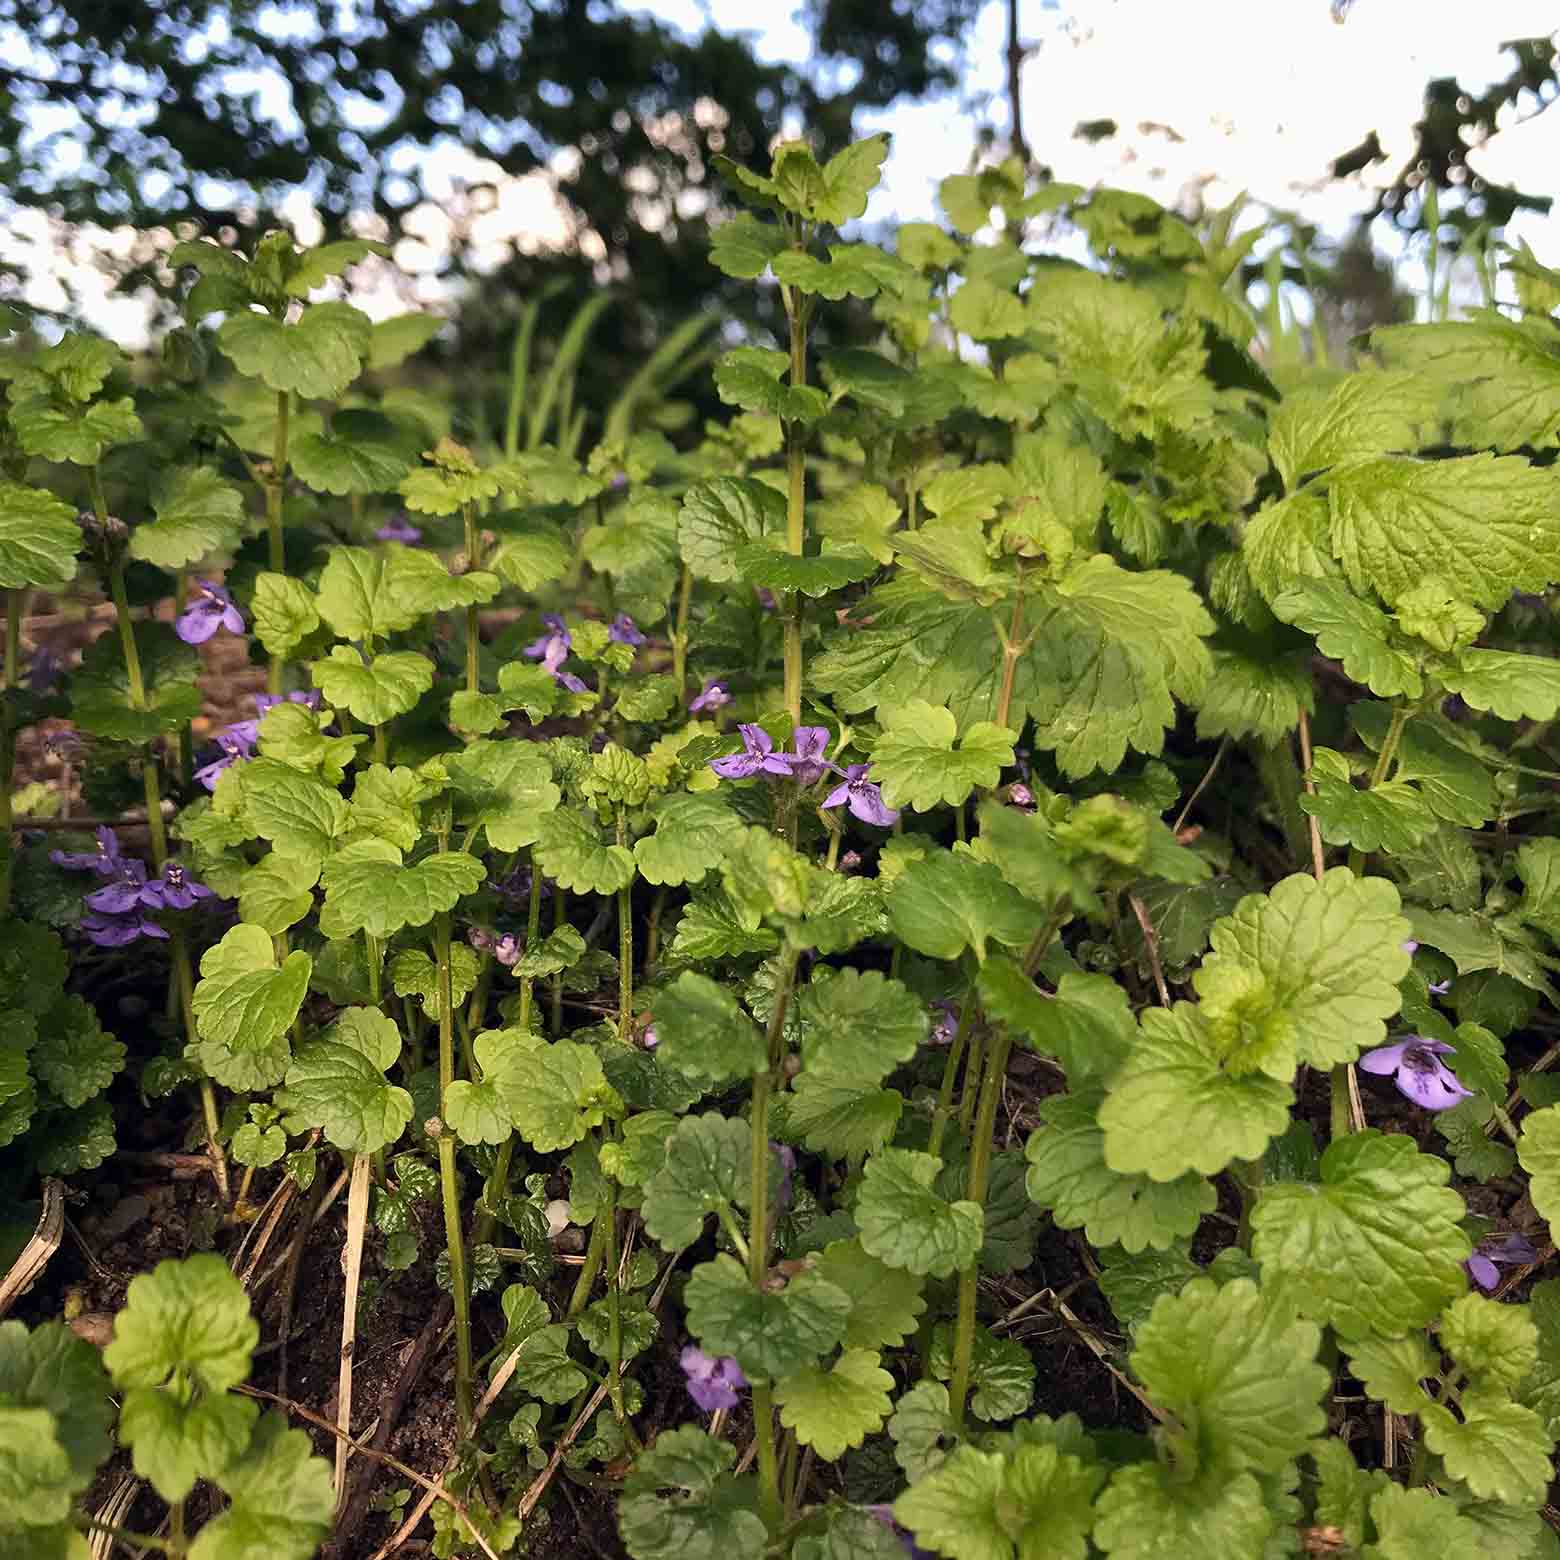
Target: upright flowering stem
[533, 927]
[1013, 647]
[450, 1188]
[473, 640]
[758, 1230]
[273, 514]
[625, 900]
[796, 510]
[951, 1072]
[560, 918]
[980, 1176]
[680, 631]
[14, 605]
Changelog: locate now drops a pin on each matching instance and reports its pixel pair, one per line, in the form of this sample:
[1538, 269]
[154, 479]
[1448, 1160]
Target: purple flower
[758, 756]
[1439, 988]
[947, 1025]
[266, 702]
[177, 889]
[128, 890]
[115, 931]
[863, 797]
[625, 631]
[557, 631]
[104, 860]
[210, 608]
[236, 741]
[507, 950]
[766, 599]
[1497, 1251]
[809, 765]
[650, 1039]
[714, 695]
[787, 1157]
[850, 861]
[43, 670]
[1019, 795]
[712, 1383]
[401, 530]
[1410, 946]
[1414, 1068]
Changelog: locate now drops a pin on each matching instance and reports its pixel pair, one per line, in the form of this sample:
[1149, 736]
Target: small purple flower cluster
[552, 649]
[807, 765]
[239, 741]
[712, 696]
[117, 912]
[506, 947]
[210, 608]
[399, 530]
[1413, 1065]
[712, 1383]
[1495, 1252]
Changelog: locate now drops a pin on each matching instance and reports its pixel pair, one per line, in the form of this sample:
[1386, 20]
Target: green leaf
[1481, 942]
[1541, 1390]
[1376, 1246]
[398, 337]
[1390, 816]
[504, 788]
[531, 553]
[548, 477]
[1538, 1151]
[551, 1094]
[381, 689]
[743, 246]
[949, 902]
[1069, 1177]
[1087, 1025]
[1237, 1374]
[283, 613]
[190, 1317]
[571, 851]
[918, 765]
[100, 690]
[836, 1409]
[1364, 413]
[561, 949]
[710, 1515]
[1132, 1283]
[689, 841]
[1352, 632]
[852, 270]
[367, 888]
[384, 804]
[369, 594]
[1002, 1375]
[1036, 1501]
[768, 568]
[296, 736]
[316, 357]
[281, 1500]
[986, 312]
[1417, 1525]
[1173, 1107]
[1497, 1345]
[719, 518]
[39, 538]
[706, 1168]
[886, 1304]
[859, 1024]
[704, 1034]
[1454, 782]
[636, 1323]
[74, 1058]
[715, 926]
[198, 513]
[244, 1005]
[1474, 1155]
[920, 1424]
[750, 377]
[337, 1083]
[1147, 1512]
[544, 1368]
[1329, 956]
[848, 178]
[414, 974]
[1391, 1370]
[362, 451]
[1253, 695]
[842, 1116]
[78, 434]
[1489, 522]
[54, 1418]
[1499, 1449]
[1514, 687]
[772, 1334]
[297, 813]
[175, 1443]
[905, 1224]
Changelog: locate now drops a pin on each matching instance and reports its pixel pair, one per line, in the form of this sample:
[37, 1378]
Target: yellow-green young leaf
[1514, 687]
[316, 357]
[1414, 1525]
[1087, 1025]
[751, 377]
[905, 1224]
[719, 517]
[886, 1303]
[296, 736]
[1173, 1107]
[38, 538]
[368, 889]
[1328, 956]
[689, 840]
[570, 850]
[384, 687]
[919, 766]
[281, 1499]
[551, 1094]
[1252, 694]
[951, 556]
[363, 451]
[78, 434]
[863, 516]
[1002, 1375]
[283, 613]
[1354, 633]
[385, 802]
[836, 1409]
[706, 1168]
[1499, 1449]
[1538, 1151]
[1390, 816]
[847, 179]
[1490, 523]
[1068, 1175]
[504, 788]
[371, 593]
[859, 1025]
[1391, 1370]
[986, 312]
[1318, 426]
[277, 892]
[414, 974]
[704, 1034]
[1149, 1511]
[174, 1442]
[244, 1005]
[548, 477]
[744, 246]
[397, 338]
[1030, 1501]
[190, 1317]
[338, 1083]
[771, 1333]
[706, 1517]
[852, 270]
[1497, 1345]
[198, 513]
[531, 552]
[77, 366]
[1375, 1246]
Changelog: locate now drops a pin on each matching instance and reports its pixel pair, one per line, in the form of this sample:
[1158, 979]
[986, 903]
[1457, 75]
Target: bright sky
[1212, 96]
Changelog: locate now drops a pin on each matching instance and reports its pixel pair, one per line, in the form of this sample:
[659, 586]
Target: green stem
[680, 632]
[473, 637]
[374, 956]
[951, 1073]
[560, 918]
[1338, 1102]
[971, 1094]
[13, 639]
[796, 511]
[595, 1252]
[533, 926]
[1012, 649]
[769, 1506]
[608, 1216]
[653, 929]
[1249, 1176]
[448, 1184]
[625, 900]
[274, 490]
[980, 1176]
[381, 745]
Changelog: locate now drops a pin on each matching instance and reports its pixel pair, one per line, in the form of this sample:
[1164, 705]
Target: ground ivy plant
[1042, 772]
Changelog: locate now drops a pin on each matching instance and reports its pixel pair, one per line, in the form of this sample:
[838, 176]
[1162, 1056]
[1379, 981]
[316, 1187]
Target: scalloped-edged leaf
[704, 1034]
[771, 1333]
[905, 1224]
[374, 691]
[244, 1005]
[367, 888]
[317, 356]
[919, 764]
[1353, 632]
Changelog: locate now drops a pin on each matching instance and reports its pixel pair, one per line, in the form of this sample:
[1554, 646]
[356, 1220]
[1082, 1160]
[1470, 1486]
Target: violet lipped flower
[1019, 795]
[557, 630]
[712, 1383]
[235, 742]
[1497, 1251]
[128, 891]
[809, 766]
[506, 950]
[863, 797]
[758, 756]
[947, 1024]
[266, 702]
[850, 861]
[624, 631]
[766, 599]
[649, 1039]
[43, 670]
[400, 530]
[714, 695]
[209, 609]
[177, 889]
[1414, 1065]
[104, 860]
[115, 931]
